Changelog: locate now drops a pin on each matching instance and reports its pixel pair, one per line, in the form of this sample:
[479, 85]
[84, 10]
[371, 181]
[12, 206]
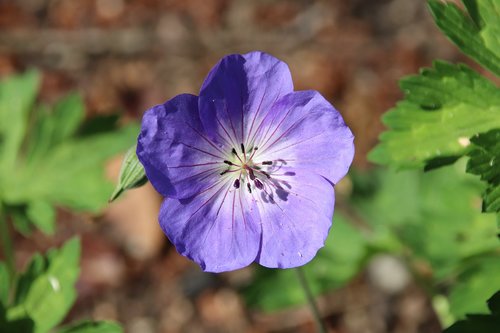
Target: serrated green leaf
[334, 265]
[485, 162]
[4, 284]
[476, 32]
[17, 95]
[92, 327]
[43, 215]
[132, 174]
[475, 285]
[46, 291]
[443, 107]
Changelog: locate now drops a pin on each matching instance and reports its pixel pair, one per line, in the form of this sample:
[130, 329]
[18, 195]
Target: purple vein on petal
[290, 145]
[205, 138]
[232, 143]
[204, 203]
[193, 165]
[218, 210]
[265, 117]
[242, 117]
[256, 114]
[276, 128]
[198, 149]
[209, 171]
[230, 121]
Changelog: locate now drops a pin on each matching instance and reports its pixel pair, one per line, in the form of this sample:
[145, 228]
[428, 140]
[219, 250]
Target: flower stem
[310, 299]
[7, 249]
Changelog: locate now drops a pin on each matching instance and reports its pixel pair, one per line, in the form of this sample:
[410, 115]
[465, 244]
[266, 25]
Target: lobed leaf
[480, 323]
[17, 94]
[485, 162]
[476, 32]
[46, 292]
[443, 107]
[474, 285]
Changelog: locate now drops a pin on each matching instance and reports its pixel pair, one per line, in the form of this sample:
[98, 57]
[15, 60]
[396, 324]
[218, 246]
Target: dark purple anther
[258, 184]
[237, 183]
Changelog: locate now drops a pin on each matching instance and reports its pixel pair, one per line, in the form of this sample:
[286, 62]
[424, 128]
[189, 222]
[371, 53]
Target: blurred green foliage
[42, 295]
[50, 157]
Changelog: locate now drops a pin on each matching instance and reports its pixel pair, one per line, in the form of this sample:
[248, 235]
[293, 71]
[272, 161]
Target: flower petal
[178, 158]
[296, 212]
[238, 93]
[305, 131]
[219, 228]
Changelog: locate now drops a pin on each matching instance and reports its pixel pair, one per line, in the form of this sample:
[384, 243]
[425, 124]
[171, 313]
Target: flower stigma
[249, 171]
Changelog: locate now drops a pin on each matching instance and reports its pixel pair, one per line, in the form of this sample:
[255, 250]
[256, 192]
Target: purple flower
[247, 168]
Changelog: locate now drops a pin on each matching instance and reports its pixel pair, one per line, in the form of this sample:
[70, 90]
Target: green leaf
[476, 32]
[475, 285]
[73, 173]
[68, 114]
[4, 284]
[132, 174]
[17, 95]
[443, 107]
[43, 215]
[93, 327]
[49, 158]
[480, 323]
[485, 162]
[53, 126]
[21, 325]
[434, 217]
[20, 219]
[334, 265]
[46, 290]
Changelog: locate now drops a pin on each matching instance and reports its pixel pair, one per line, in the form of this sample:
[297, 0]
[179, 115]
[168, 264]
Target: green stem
[7, 248]
[310, 299]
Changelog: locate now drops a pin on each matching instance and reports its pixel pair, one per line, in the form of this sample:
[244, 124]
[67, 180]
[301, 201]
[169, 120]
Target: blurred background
[124, 56]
